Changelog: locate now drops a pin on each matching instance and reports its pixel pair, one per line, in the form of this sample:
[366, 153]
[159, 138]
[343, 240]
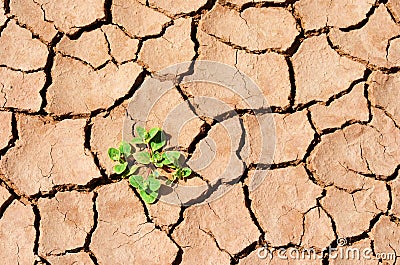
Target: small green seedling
[146, 151]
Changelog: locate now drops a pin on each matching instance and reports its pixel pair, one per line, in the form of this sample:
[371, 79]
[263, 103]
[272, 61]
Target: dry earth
[329, 69]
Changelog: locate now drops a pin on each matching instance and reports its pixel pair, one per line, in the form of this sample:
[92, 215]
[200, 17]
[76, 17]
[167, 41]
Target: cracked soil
[330, 71]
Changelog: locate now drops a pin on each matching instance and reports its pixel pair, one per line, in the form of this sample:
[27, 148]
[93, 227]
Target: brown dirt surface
[329, 72]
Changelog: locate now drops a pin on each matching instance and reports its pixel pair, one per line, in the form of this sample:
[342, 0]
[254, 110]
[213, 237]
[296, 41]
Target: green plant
[145, 151]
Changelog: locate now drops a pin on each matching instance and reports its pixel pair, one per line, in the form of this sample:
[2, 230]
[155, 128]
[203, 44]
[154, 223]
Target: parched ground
[329, 69]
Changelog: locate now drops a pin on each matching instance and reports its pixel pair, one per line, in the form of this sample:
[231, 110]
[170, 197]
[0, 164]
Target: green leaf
[120, 168]
[153, 132]
[156, 146]
[125, 148]
[132, 170]
[145, 184]
[168, 182]
[158, 141]
[141, 132]
[137, 140]
[142, 157]
[158, 164]
[186, 172]
[166, 162]
[165, 159]
[157, 157]
[136, 181]
[173, 156]
[154, 184]
[114, 154]
[148, 198]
